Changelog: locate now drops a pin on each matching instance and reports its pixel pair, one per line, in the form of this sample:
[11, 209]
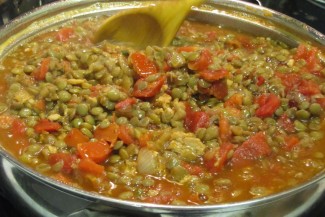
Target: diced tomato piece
[290, 80]
[286, 123]
[64, 34]
[309, 55]
[203, 61]
[46, 125]
[95, 90]
[143, 140]
[211, 36]
[40, 73]
[108, 134]
[219, 89]
[125, 104]
[88, 166]
[240, 41]
[213, 75]
[195, 119]
[260, 80]
[245, 41]
[294, 81]
[18, 128]
[66, 158]
[308, 88]
[261, 100]
[290, 142]
[224, 129]
[96, 151]
[301, 52]
[192, 168]
[166, 67]
[167, 193]
[142, 65]
[75, 137]
[312, 59]
[252, 149]
[186, 49]
[268, 104]
[40, 105]
[125, 135]
[235, 101]
[216, 159]
[151, 90]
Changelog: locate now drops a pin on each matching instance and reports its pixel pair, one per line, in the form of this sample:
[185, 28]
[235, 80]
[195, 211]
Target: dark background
[311, 12]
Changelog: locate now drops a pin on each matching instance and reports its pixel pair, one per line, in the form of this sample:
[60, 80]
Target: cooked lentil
[218, 116]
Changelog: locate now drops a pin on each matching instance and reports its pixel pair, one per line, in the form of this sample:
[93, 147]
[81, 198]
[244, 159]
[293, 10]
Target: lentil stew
[219, 116]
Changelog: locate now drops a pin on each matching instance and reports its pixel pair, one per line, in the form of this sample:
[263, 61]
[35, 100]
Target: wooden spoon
[155, 24]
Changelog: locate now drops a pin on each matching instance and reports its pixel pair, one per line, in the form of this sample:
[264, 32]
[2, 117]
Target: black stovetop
[311, 12]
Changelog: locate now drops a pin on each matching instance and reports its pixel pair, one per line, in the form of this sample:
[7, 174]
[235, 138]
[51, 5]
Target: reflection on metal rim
[319, 3]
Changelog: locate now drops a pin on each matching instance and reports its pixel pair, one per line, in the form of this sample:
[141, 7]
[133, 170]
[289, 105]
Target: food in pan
[218, 116]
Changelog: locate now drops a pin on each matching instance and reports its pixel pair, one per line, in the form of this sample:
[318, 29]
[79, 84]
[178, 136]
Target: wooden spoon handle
[154, 24]
[172, 15]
